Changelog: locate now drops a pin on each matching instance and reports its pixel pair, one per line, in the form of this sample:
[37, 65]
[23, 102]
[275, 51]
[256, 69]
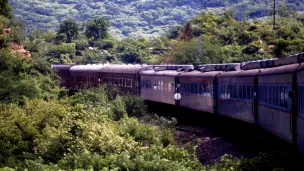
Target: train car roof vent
[219, 67]
[173, 67]
[292, 59]
[206, 67]
[268, 63]
[180, 69]
[160, 68]
[233, 67]
[251, 65]
[301, 57]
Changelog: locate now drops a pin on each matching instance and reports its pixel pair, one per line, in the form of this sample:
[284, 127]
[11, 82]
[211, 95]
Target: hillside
[136, 18]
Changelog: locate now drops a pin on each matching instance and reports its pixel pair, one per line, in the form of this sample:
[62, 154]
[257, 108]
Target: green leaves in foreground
[88, 131]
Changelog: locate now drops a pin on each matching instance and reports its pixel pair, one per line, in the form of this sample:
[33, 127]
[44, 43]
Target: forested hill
[136, 18]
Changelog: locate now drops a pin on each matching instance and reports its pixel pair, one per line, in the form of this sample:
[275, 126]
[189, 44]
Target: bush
[81, 132]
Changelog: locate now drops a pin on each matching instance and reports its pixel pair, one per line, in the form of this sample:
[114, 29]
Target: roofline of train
[250, 65]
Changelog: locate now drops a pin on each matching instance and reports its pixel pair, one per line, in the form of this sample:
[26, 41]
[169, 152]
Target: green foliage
[97, 29]
[288, 47]
[22, 77]
[133, 51]
[62, 53]
[5, 9]
[81, 44]
[70, 29]
[80, 132]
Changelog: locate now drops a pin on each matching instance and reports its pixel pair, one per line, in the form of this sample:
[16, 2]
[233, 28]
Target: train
[267, 93]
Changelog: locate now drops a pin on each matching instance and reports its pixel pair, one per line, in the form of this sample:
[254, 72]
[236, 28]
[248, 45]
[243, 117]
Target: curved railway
[267, 93]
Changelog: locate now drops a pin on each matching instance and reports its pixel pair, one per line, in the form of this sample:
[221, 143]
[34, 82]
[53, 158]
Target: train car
[62, 71]
[236, 94]
[125, 77]
[85, 76]
[274, 102]
[196, 89]
[159, 83]
[158, 86]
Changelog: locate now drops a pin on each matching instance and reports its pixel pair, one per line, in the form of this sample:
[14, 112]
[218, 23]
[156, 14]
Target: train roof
[200, 74]
[173, 67]
[86, 68]
[282, 69]
[159, 73]
[127, 69]
[240, 73]
[61, 67]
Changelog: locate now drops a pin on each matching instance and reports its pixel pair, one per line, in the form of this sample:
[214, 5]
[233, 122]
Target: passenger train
[268, 93]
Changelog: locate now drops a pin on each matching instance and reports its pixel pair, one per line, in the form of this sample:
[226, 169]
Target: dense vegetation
[206, 38]
[137, 18]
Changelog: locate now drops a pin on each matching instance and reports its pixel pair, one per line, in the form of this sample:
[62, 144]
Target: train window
[200, 89]
[225, 91]
[115, 81]
[228, 91]
[203, 89]
[186, 88]
[129, 83]
[244, 92]
[154, 85]
[181, 89]
[275, 95]
[240, 92]
[197, 85]
[278, 96]
[285, 97]
[193, 88]
[233, 91]
[281, 96]
[173, 86]
[271, 94]
[160, 85]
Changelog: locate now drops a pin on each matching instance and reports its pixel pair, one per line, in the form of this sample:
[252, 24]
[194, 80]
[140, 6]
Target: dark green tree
[97, 29]
[5, 9]
[70, 29]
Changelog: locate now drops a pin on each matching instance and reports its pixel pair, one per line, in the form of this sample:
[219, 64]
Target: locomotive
[267, 93]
